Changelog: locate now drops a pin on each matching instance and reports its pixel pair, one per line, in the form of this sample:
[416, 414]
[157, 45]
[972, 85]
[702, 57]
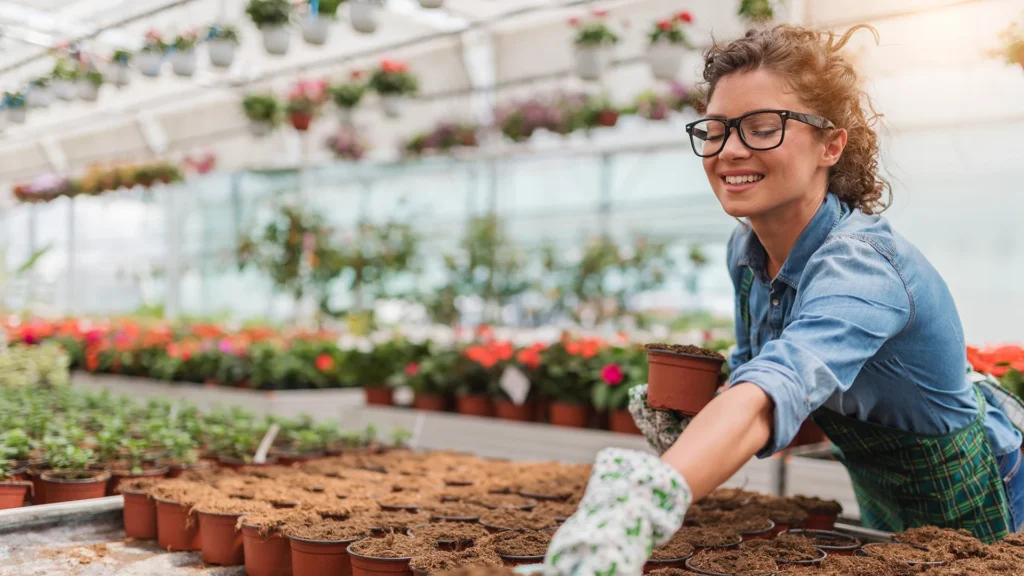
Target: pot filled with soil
[960, 543]
[833, 543]
[219, 537]
[175, 470]
[682, 378]
[672, 554]
[236, 464]
[784, 513]
[456, 512]
[449, 536]
[437, 562]
[821, 514]
[752, 523]
[520, 548]
[503, 501]
[429, 402]
[787, 549]
[139, 510]
[569, 415]
[379, 396]
[732, 563]
[909, 554]
[475, 405]
[119, 474]
[383, 523]
[557, 511]
[322, 547]
[388, 555]
[554, 491]
[726, 499]
[508, 410]
[13, 492]
[177, 528]
[503, 519]
[71, 485]
[267, 552]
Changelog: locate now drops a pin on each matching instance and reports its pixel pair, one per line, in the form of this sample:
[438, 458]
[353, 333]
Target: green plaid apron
[904, 480]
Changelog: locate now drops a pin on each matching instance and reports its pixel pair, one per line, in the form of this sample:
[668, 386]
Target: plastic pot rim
[349, 551]
[707, 359]
[347, 542]
[100, 476]
[708, 573]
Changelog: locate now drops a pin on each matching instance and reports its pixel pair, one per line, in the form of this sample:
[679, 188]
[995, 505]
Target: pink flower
[685, 16]
[600, 13]
[612, 374]
[574, 21]
[412, 369]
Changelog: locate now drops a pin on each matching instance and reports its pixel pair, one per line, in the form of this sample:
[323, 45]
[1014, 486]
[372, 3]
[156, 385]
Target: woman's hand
[633, 504]
[661, 428]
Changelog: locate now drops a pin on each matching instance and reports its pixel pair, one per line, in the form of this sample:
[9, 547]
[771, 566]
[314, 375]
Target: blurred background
[537, 176]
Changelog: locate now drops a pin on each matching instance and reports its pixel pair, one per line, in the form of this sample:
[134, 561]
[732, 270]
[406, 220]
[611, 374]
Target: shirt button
[775, 302]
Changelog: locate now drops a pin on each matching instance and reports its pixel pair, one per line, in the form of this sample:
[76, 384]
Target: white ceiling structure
[467, 55]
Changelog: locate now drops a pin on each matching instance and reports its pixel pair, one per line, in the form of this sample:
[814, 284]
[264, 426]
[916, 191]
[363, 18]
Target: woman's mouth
[741, 182]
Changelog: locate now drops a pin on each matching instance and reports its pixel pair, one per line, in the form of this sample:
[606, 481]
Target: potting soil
[449, 531]
[530, 543]
[961, 544]
[726, 499]
[554, 509]
[735, 563]
[437, 561]
[672, 550]
[977, 567]
[516, 519]
[480, 571]
[137, 484]
[779, 510]
[686, 349]
[398, 521]
[744, 519]
[456, 510]
[496, 501]
[222, 504]
[710, 537]
[183, 492]
[390, 546]
[906, 553]
[813, 505]
[329, 530]
[272, 520]
[669, 572]
[785, 547]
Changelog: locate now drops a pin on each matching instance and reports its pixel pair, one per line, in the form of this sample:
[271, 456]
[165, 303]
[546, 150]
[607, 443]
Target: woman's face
[795, 172]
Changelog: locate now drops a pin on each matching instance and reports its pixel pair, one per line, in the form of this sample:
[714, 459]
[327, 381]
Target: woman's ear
[835, 143]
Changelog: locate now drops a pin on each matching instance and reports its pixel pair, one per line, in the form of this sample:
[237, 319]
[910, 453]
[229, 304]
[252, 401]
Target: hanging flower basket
[300, 120]
[222, 41]
[591, 62]
[391, 81]
[40, 95]
[668, 46]
[17, 115]
[304, 101]
[263, 112]
[149, 63]
[594, 41]
[260, 128]
[363, 16]
[184, 63]
[89, 86]
[431, 3]
[65, 89]
[317, 31]
[120, 74]
[276, 39]
[391, 104]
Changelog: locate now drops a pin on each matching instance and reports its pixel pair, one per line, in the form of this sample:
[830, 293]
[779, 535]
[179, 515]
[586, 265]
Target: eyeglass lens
[762, 131]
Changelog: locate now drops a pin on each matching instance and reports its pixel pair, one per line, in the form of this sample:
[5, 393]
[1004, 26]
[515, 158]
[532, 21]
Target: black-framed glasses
[759, 130]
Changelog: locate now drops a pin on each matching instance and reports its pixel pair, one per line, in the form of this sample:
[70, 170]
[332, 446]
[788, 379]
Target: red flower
[412, 369]
[173, 350]
[600, 13]
[393, 66]
[356, 74]
[481, 356]
[664, 25]
[574, 21]
[484, 331]
[574, 348]
[685, 16]
[324, 362]
[529, 357]
[502, 350]
[612, 374]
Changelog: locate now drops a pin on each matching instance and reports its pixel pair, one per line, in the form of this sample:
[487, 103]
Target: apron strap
[748, 282]
[1001, 398]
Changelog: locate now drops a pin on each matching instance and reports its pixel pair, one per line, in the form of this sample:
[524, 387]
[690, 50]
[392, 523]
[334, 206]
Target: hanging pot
[315, 32]
[183, 63]
[149, 63]
[392, 105]
[431, 3]
[300, 121]
[17, 115]
[39, 97]
[88, 91]
[591, 61]
[665, 59]
[276, 39]
[65, 89]
[222, 52]
[120, 74]
[363, 16]
[260, 128]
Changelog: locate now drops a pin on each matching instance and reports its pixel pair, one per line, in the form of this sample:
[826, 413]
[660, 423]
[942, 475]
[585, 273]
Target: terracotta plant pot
[220, 541]
[35, 476]
[808, 434]
[475, 405]
[844, 545]
[178, 469]
[301, 122]
[429, 402]
[621, 421]
[366, 566]
[115, 478]
[569, 415]
[237, 463]
[175, 530]
[269, 555]
[58, 489]
[12, 494]
[289, 458]
[139, 516]
[314, 557]
[507, 410]
[820, 522]
[681, 382]
[652, 565]
[691, 568]
[379, 396]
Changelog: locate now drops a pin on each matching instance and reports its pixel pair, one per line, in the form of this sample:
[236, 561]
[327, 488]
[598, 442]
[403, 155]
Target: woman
[838, 319]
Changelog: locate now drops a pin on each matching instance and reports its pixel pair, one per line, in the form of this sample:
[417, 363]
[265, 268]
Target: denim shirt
[857, 321]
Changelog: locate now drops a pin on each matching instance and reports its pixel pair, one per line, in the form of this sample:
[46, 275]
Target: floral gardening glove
[660, 427]
[633, 504]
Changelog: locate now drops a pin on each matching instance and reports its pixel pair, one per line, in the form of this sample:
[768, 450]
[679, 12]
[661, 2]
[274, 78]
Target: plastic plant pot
[399, 508]
[391, 104]
[317, 31]
[459, 519]
[842, 544]
[454, 545]
[220, 539]
[176, 529]
[475, 405]
[367, 566]
[820, 522]
[221, 52]
[12, 494]
[732, 546]
[681, 382]
[318, 557]
[766, 533]
[149, 63]
[569, 415]
[276, 39]
[431, 4]
[429, 402]
[665, 59]
[513, 561]
[621, 421]
[363, 16]
[116, 479]
[184, 63]
[866, 550]
[591, 61]
[379, 396]
[139, 516]
[652, 565]
[269, 555]
[812, 562]
[59, 489]
[507, 410]
[691, 568]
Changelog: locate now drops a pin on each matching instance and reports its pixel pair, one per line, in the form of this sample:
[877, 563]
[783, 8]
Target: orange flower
[393, 66]
[529, 357]
[590, 349]
[484, 331]
[502, 350]
[574, 348]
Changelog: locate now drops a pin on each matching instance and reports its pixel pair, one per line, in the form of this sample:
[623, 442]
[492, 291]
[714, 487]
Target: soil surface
[518, 543]
[707, 537]
[498, 501]
[449, 531]
[785, 547]
[686, 349]
[554, 509]
[735, 563]
[851, 566]
[906, 553]
[221, 504]
[670, 572]
[390, 546]
[674, 549]
[437, 561]
[743, 520]
[456, 510]
[181, 491]
[516, 519]
[834, 539]
[275, 519]
[329, 530]
[813, 505]
[480, 571]
[727, 499]
[137, 484]
[978, 567]
[960, 544]
[398, 521]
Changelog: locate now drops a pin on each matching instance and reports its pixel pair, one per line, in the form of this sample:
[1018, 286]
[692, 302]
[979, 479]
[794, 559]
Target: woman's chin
[738, 208]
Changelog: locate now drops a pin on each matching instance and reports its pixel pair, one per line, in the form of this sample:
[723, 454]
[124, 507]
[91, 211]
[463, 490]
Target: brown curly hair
[810, 63]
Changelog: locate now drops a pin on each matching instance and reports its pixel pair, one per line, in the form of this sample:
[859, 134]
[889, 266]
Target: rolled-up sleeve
[851, 301]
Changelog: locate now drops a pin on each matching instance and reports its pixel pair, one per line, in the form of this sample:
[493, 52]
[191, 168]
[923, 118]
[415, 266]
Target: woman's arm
[732, 428]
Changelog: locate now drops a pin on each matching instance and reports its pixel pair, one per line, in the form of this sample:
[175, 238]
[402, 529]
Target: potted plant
[69, 476]
[348, 95]
[19, 445]
[346, 145]
[120, 71]
[528, 365]
[220, 539]
[668, 44]
[304, 444]
[271, 17]
[89, 85]
[135, 462]
[363, 15]
[430, 378]
[621, 370]
[392, 80]
[180, 452]
[39, 93]
[322, 547]
[567, 378]
[682, 378]
[151, 58]
[222, 41]
[16, 107]
[65, 74]
[263, 112]
[177, 527]
[183, 58]
[652, 106]
[519, 120]
[13, 489]
[266, 550]
[479, 366]
[390, 554]
[316, 26]
[594, 41]
[304, 102]
[757, 12]
[598, 112]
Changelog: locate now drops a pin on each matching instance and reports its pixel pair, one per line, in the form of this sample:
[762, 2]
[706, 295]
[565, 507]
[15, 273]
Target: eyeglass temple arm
[816, 121]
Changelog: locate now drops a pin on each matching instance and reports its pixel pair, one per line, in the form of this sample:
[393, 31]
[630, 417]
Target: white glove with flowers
[661, 428]
[634, 503]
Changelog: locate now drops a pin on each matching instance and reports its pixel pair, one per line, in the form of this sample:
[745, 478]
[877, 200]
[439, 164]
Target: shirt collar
[813, 236]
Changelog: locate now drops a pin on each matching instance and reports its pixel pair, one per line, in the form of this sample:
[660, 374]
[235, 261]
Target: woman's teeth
[747, 179]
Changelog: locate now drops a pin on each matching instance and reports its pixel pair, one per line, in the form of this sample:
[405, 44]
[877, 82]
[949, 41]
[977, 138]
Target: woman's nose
[734, 147]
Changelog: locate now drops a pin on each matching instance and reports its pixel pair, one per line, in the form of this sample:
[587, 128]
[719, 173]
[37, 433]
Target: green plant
[432, 374]
[594, 32]
[94, 77]
[306, 441]
[64, 69]
[567, 372]
[670, 30]
[262, 108]
[347, 95]
[6, 465]
[134, 454]
[66, 459]
[380, 254]
[14, 100]
[757, 11]
[186, 42]
[178, 446]
[154, 43]
[618, 371]
[41, 82]
[18, 444]
[223, 32]
[400, 437]
[269, 12]
[108, 443]
[329, 7]
[121, 56]
[393, 78]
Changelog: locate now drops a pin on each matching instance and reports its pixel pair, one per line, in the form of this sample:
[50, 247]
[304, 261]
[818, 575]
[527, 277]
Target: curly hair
[810, 63]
